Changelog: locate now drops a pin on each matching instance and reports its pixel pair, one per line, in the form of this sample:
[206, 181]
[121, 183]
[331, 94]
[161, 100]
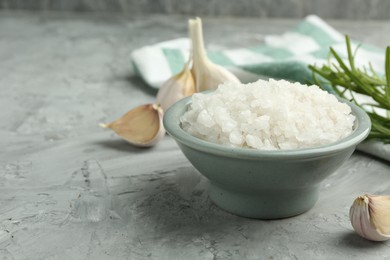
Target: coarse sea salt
[268, 115]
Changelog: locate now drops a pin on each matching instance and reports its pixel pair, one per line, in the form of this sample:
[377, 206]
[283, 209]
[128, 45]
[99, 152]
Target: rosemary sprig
[345, 79]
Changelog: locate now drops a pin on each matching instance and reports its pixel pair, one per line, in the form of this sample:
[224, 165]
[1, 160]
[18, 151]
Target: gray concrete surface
[70, 190]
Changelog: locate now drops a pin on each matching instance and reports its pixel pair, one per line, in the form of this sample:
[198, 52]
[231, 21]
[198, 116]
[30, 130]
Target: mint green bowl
[264, 184]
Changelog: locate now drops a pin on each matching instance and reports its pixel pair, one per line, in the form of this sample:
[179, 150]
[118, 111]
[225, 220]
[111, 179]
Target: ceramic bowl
[264, 184]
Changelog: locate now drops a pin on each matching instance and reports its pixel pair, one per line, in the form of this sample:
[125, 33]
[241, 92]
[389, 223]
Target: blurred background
[336, 9]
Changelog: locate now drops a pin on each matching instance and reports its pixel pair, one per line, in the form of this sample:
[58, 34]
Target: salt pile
[268, 115]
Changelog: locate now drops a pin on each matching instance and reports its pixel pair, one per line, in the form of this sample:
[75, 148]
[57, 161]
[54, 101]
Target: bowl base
[271, 204]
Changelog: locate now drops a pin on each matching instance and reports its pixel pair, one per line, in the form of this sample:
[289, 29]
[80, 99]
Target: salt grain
[268, 115]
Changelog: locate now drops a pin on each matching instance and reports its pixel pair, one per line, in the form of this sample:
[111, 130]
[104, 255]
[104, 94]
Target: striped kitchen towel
[284, 56]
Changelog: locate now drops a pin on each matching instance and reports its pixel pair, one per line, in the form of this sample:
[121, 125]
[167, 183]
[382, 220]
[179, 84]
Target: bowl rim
[171, 123]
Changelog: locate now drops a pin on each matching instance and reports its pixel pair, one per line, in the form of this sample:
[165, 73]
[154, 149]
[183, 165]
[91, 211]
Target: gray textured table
[70, 190]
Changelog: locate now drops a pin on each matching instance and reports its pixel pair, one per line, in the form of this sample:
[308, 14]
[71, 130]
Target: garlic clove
[207, 74]
[177, 87]
[141, 126]
[370, 217]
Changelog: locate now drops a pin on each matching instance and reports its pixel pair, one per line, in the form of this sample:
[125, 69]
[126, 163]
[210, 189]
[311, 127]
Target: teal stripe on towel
[272, 52]
[289, 70]
[219, 58]
[175, 59]
[322, 53]
[316, 33]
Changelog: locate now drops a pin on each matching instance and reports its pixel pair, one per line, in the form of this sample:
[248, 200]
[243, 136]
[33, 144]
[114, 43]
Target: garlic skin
[177, 87]
[207, 74]
[141, 126]
[370, 217]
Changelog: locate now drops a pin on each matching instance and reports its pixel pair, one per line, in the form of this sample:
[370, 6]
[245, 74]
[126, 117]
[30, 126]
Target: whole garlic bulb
[207, 74]
[370, 217]
[177, 87]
